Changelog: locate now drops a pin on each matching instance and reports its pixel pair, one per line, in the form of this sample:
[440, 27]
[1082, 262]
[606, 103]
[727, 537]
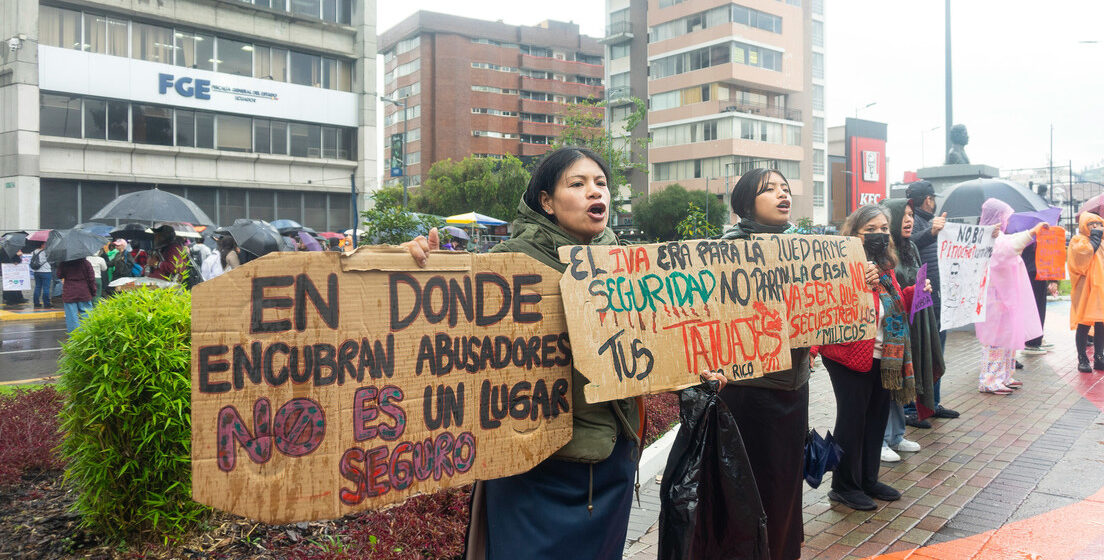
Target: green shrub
[125, 373]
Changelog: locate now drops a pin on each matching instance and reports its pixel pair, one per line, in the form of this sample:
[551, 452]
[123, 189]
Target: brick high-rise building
[484, 88]
[730, 86]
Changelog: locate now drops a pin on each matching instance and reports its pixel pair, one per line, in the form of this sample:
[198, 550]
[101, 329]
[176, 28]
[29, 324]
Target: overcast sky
[1017, 69]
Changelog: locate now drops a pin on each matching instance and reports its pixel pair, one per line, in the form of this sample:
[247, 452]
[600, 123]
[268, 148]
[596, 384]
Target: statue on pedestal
[959, 139]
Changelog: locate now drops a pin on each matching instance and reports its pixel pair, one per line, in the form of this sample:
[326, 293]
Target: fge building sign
[201, 89]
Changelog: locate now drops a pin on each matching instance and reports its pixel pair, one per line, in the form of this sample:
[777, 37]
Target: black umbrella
[286, 226]
[71, 244]
[132, 231]
[964, 200]
[154, 205]
[12, 242]
[257, 237]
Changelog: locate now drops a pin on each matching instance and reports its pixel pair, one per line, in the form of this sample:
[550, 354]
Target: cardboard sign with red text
[650, 318]
[324, 384]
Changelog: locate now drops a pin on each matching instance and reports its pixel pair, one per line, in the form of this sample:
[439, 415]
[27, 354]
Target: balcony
[528, 149]
[541, 129]
[617, 32]
[557, 66]
[764, 110]
[570, 89]
[620, 95]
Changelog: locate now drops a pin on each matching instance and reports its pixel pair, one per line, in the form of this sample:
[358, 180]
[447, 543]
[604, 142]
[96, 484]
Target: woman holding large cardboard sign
[867, 375]
[576, 502]
[772, 411]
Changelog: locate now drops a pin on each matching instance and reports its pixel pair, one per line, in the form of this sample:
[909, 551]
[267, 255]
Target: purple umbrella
[309, 242]
[1023, 221]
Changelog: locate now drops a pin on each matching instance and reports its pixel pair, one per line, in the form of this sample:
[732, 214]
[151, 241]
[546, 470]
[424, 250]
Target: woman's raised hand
[420, 246]
[872, 274]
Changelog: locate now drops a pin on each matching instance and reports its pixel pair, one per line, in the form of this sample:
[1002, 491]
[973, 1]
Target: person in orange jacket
[1085, 261]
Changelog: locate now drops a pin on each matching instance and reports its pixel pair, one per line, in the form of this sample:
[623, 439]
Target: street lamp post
[401, 103]
[864, 107]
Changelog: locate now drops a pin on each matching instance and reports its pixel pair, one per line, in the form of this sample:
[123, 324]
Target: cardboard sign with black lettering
[650, 318]
[324, 384]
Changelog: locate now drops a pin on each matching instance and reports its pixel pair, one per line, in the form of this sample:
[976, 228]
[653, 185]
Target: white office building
[262, 109]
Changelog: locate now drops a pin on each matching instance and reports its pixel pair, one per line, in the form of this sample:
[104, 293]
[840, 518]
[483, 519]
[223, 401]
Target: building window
[205, 130]
[58, 27]
[105, 35]
[262, 136]
[60, 115]
[818, 129]
[195, 50]
[270, 63]
[153, 125]
[329, 142]
[305, 69]
[310, 8]
[279, 137]
[793, 135]
[818, 98]
[818, 194]
[818, 65]
[95, 119]
[818, 162]
[306, 140]
[818, 33]
[185, 128]
[714, 55]
[235, 133]
[403, 70]
[152, 43]
[620, 50]
[235, 57]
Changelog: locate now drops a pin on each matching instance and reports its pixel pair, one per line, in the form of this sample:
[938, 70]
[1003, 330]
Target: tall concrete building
[483, 88]
[261, 109]
[730, 86]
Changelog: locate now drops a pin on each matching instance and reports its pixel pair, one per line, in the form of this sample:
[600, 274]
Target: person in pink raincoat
[1011, 316]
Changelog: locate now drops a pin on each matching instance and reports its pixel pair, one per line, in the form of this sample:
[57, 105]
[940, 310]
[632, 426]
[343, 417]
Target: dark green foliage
[695, 225]
[387, 224]
[491, 187]
[125, 373]
[659, 214]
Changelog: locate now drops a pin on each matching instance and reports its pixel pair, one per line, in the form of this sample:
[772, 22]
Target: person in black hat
[925, 235]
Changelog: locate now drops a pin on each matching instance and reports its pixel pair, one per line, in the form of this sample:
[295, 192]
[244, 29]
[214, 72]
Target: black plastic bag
[709, 504]
[821, 456]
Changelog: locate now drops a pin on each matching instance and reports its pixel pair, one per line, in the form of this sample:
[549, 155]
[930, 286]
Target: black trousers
[1081, 339]
[773, 424]
[862, 408]
[1039, 288]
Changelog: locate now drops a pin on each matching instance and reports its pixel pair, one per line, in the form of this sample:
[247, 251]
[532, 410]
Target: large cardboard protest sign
[650, 318]
[964, 253]
[324, 384]
[1050, 254]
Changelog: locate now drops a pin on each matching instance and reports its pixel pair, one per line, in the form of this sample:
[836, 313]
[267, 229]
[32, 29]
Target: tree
[695, 225]
[485, 185]
[389, 196]
[659, 214]
[386, 222]
[583, 126]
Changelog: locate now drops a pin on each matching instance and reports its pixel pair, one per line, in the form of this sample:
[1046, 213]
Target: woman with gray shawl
[927, 357]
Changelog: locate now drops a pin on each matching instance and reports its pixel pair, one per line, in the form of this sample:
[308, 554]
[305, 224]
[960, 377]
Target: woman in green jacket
[577, 502]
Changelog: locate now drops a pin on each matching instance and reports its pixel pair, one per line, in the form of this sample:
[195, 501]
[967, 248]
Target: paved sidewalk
[982, 485]
[26, 311]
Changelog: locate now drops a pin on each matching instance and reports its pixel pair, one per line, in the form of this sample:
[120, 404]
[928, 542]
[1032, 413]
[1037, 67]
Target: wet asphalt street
[29, 349]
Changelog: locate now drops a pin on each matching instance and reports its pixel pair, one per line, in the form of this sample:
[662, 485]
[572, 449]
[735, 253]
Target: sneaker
[1034, 351]
[905, 445]
[1019, 365]
[888, 456]
[883, 491]
[1046, 345]
[941, 412]
[854, 500]
[916, 422]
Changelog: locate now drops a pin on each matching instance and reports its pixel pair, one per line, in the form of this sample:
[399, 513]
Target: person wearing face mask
[772, 411]
[1085, 261]
[1011, 317]
[868, 374]
[927, 353]
[581, 496]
